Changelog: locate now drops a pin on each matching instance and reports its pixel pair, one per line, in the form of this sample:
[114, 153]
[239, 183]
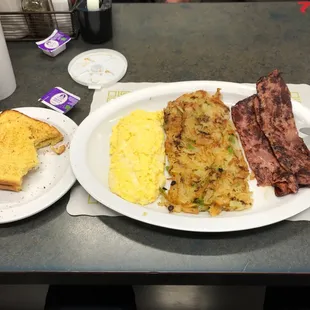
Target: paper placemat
[81, 203]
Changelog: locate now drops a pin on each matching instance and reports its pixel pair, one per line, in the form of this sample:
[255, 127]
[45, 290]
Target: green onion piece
[199, 201]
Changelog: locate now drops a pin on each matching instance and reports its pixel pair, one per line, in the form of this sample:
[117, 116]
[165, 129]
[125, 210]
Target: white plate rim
[96, 190]
[58, 190]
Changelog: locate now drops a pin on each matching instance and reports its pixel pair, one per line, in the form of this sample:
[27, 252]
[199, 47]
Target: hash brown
[206, 164]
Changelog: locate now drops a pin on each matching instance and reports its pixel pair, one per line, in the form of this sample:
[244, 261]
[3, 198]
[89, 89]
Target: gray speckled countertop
[232, 42]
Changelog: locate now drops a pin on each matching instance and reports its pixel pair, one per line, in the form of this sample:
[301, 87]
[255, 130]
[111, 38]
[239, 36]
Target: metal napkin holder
[35, 26]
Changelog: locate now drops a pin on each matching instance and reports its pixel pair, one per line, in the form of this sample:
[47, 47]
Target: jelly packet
[59, 100]
[54, 44]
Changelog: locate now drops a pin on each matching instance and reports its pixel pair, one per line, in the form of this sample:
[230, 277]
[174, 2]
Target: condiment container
[54, 44]
[95, 25]
[60, 100]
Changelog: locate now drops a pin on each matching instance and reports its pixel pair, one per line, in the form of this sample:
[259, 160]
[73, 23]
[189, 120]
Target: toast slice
[43, 133]
[20, 137]
[18, 155]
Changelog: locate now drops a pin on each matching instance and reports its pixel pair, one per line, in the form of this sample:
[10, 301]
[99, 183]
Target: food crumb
[144, 213]
[252, 176]
[58, 150]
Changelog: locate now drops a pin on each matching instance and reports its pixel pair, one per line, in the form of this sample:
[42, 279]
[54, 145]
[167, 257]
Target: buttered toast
[43, 133]
[18, 155]
[20, 137]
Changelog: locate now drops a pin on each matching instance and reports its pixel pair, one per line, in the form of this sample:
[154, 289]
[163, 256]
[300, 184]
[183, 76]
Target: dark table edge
[154, 278]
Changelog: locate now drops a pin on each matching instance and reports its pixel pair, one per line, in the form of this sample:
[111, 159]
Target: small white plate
[47, 184]
[98, 68]
[90, 160]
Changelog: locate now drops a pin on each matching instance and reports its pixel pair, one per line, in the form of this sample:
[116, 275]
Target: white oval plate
[89, 155]
[53, 178]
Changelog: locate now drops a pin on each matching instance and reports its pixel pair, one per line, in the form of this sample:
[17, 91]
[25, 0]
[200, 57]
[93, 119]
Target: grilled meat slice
[257, 150]
[275, 116]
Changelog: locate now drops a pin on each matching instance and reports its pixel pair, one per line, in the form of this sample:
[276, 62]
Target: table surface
[230, 42]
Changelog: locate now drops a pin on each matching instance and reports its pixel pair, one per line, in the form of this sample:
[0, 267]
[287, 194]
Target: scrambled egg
[137, 156]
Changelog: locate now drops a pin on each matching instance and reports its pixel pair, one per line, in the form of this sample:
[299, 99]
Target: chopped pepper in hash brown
[206, 164]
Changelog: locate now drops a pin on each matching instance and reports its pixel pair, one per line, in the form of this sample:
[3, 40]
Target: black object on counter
[95, 26]
[88, 297]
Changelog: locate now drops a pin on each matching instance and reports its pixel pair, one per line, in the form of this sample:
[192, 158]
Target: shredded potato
[206, 164]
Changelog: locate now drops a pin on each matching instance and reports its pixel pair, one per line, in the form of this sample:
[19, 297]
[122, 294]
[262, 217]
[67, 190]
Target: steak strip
[275, 117]
[258, 152]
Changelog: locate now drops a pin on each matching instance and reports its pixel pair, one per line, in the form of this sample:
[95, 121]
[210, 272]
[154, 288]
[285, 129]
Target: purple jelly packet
[60, 100]
[54, 44]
